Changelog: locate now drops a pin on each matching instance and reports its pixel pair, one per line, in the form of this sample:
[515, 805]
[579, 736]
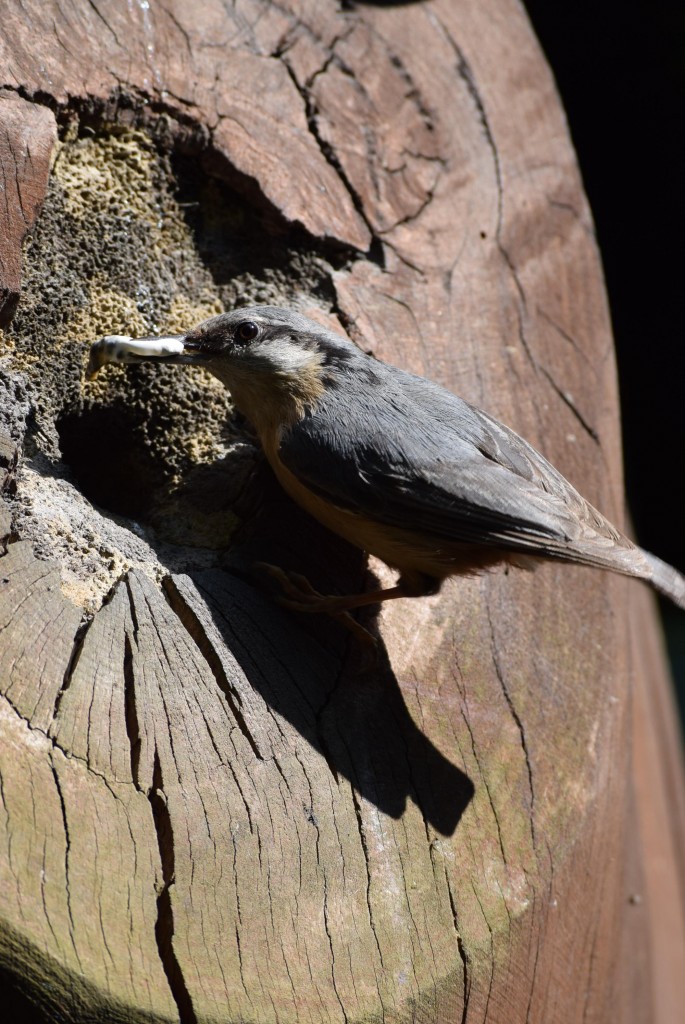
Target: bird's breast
[344, 522]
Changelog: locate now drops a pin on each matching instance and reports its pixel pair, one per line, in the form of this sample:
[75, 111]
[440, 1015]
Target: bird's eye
[246, 331]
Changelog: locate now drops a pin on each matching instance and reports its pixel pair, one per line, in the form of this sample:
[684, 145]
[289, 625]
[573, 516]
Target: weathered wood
[655, 904]
[27, 135]
[8, 465]
[216, 810]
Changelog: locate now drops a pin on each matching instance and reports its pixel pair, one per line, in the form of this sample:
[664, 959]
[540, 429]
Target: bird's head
[276, 363]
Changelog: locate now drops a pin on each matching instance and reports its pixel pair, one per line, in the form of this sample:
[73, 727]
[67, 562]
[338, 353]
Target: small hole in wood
[108, 461]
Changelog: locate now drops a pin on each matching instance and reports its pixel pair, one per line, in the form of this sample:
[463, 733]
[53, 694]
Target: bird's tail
[664, 578]
[630, 560]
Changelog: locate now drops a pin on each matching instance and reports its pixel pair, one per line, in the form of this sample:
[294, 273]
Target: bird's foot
[299, 595]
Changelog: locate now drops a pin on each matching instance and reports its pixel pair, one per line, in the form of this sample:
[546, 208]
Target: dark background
[620, 69]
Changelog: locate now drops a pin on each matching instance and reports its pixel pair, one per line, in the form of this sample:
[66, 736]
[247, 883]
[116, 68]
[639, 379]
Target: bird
[392, 462]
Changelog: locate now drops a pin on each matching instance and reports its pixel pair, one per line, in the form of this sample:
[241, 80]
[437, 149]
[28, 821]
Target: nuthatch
[392, 462]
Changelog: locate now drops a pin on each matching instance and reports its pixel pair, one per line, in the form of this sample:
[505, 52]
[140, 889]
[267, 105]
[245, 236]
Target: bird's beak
[119, 348]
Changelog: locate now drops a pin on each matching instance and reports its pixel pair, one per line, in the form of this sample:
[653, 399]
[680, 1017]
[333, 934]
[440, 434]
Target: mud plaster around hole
[140, 468]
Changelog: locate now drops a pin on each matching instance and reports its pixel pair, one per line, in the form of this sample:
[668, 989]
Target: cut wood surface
[215, 810]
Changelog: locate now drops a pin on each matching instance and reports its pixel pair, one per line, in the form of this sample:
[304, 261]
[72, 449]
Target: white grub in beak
[119, 348]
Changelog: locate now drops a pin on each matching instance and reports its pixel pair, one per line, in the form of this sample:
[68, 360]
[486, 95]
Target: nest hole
[120, 469]
[102, 448]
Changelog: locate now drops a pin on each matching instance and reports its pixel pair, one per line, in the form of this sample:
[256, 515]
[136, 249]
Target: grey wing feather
[408, 453]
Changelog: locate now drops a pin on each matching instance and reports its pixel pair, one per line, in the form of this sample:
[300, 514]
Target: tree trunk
[213, 809]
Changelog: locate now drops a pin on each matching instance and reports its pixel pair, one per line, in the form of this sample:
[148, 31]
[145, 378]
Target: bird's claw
[298, 595]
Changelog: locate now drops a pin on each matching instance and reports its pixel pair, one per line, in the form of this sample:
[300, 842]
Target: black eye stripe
[246, 331]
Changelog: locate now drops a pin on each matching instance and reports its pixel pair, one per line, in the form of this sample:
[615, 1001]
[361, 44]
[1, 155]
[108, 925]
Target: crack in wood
[367, 861]
[164, 925]
[67, 851]
[567, 338]
[591, 967]
[77, 650]
[130, 712]
[463, 953]
[466, 74]
[517, 719]
[67, 753]
[533, 980]
[486, 785]
[321, 738]
[492, 949]
[327, 929]
[195, 630]
[100, 15]
[568, 401]
[374, 253]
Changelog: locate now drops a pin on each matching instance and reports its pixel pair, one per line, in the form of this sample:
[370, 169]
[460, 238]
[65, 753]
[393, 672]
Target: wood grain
[27, 135]
[216, 811]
